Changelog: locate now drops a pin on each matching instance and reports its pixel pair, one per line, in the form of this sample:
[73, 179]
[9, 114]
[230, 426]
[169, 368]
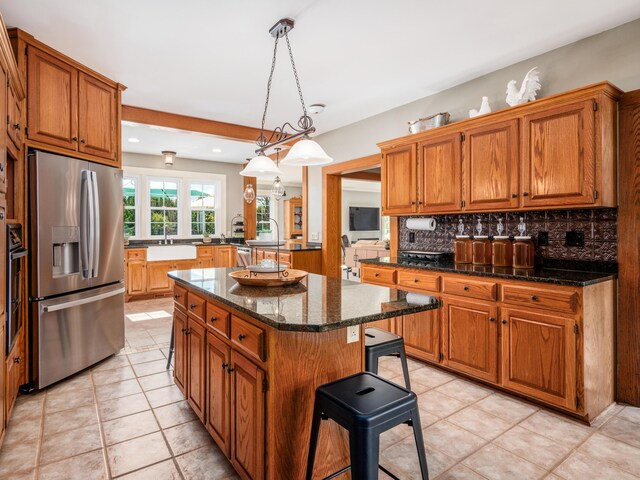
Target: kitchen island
[249, 359]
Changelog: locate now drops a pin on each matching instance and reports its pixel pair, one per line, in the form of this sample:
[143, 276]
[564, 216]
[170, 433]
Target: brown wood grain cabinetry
[96, 117]
[421, 332]
[196, 363]
[440, 167]
[15, 361]
[180, 350]
[399, 181]
[225, 257]
[3, 138]
[470, 337]
[218, 387]
[539, 355]
[157, 279]
[3, 418]
[292, 217]
[378, 275]
[136, 278]
[15, 124]
[307, 260]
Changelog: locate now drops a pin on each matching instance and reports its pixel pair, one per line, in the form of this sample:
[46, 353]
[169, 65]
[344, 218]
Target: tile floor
[125, 419]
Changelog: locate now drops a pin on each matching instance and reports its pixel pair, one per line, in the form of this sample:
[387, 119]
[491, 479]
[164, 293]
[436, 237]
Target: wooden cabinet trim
[196, 365]
[196, 306]
[248, 338]
[378, 275]
[97, 105]
[406, 183]
[438, 155]
[470, 287]
[218, 319]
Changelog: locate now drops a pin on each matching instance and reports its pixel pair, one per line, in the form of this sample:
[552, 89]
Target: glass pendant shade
[260, 166]
[249, 194]
[277, 189]
[306, 153]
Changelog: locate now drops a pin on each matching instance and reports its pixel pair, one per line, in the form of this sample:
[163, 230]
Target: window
[263, 212]
[163, 201]
[129, 194]
[202, 199]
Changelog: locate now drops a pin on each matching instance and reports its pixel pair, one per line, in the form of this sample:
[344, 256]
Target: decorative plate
[261, 269]
[254, 279]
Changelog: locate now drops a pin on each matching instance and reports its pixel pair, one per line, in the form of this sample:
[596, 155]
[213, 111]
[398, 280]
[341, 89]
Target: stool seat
[381, 343]
[375, 336]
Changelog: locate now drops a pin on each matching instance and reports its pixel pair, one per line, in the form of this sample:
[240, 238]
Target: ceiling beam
[369, 176]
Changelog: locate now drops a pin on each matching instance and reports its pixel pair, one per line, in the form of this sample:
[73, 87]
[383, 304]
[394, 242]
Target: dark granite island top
[317, 304]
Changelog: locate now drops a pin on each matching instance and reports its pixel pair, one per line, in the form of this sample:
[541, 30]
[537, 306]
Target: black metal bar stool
[380, 343]
[366, 405]
[171, 347]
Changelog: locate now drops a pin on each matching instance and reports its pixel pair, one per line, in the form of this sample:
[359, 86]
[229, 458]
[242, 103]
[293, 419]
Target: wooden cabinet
[559, 160]
[439, 167]
[136, 278]
[385, 277]
[3, 418]
[180, 350]
[218, 387]
[491, 161]
[539, 356]
[470, 337]
[225, 256]
[157, 279]
[399, 181]
[196, 364]
[15, 125]
[3, 138]
[14, 370]
[247, 414]
[96, 117]
[421, 332]
[292, 217]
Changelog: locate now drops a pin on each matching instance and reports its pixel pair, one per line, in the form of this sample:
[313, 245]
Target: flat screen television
[364, 219]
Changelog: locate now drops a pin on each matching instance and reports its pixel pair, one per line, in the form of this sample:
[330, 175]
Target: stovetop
[416, 257]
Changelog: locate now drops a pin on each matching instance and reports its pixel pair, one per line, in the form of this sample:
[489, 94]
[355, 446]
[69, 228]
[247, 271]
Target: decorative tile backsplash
[600, 229]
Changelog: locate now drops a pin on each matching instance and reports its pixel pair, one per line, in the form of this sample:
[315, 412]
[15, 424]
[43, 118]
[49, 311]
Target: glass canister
[463, 249]
[523, 252]
[481, 250]
[502, 252]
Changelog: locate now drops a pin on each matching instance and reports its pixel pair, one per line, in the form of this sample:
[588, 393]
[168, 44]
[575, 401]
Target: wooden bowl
[288, 277]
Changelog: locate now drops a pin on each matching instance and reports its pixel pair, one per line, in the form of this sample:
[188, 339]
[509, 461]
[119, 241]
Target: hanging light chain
[305, 121]
[262, 140]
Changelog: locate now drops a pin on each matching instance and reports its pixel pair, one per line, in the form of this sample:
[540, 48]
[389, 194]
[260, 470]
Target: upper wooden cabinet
[557, 152]
[439, 165]
[71, 109]
[15, 124]
[293, 217]
[399, 181]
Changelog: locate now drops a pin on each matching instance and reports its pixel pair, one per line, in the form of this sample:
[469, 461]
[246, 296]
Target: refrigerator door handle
[85, 224]
[82, 301]
[96, 224]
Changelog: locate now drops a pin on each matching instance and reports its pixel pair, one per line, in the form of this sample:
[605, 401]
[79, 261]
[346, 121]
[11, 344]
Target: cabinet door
[4, 113]
[421, 333]
[559, 156]
[3, 260]
[14, 124]
[136, 278]
[439, 161]
[157, 280]
[218, 392]
[196, 360]
[2, 377]
[491, 159]
[471, 338]
[52, 96]
[225, 256]
[248, 428]
[539, 356]
[13, 380]
[180, 350]
[399, 181]
[96, 117]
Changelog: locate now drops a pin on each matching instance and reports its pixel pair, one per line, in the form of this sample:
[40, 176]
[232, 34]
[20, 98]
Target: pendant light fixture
[309, 153]
[168, 157]
[277, 189]
[249, 194]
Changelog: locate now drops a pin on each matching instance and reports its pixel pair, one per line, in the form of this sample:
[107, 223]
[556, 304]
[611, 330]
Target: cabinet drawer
[180, 296]
[205, 252]
[269, 255]
[536, 297]
[285, 258]
[136, 254]
[196, 306]
[422, 281]
[470, 288]
[248, 337]
[218, 319]
[382, 276]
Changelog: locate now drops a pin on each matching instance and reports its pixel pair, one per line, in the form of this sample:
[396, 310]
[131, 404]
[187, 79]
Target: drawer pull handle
[514, 195]
[534, 298]
[525, 194]
[192, 306]
[465, 288]
[241, 337]
[492, 319]
[504, 322]
[376, 274]
[415, 280]
[214, 319]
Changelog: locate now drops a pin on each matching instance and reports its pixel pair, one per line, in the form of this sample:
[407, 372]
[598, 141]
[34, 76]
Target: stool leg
[313, 440]
[170, 349]
[371, 361]
[417, 433]
[405, 368]
[364, 448]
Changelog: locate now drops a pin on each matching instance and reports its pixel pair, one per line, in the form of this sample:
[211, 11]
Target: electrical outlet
[574, 238]
[353, 334]
[543, 238]
[315, 236]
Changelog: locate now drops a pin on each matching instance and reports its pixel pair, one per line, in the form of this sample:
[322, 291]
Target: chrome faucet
[166, 241]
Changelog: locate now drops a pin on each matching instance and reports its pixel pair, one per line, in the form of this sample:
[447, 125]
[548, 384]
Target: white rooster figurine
[484, 108]
[528, 90]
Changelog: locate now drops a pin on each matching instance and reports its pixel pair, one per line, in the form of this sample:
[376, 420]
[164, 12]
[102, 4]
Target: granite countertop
[558, 276]
[317, 304]
[290, 247]
[154, 243]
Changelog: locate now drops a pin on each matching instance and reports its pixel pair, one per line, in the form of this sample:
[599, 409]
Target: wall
[352, 198]
[231, 170]
[292, 191]
[613, 55]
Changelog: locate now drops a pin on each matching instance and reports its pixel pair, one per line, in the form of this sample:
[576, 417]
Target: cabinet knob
[17, 360]
[504, 322]
[176, 296]
[534, 298]
[241, 337]
[376, 274]
[224, 366]
[184, 330]
[75, 139]
[1, 215]
[525, 194]
[187, 331]
[214, 319]
[192, 306]
[465, 288]
[492, 319]
[413, 203]
[415, 280]
[230, 369]
[420, 202]
[1, 167]
[514, 195]
[82, 141]
[16, 126]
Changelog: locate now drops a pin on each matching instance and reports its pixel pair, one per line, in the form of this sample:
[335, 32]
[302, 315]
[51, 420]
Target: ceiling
[211, 58]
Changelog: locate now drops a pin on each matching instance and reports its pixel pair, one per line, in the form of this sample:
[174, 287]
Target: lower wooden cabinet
[3, 419]
[196, 365]
[421, 332]
[14, 375]
[136, 278]
[225, 257]
[470, 337]
[218, 387]
[539, 356]
[180, 349]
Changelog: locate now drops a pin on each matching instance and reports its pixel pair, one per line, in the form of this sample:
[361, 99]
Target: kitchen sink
[157, 253]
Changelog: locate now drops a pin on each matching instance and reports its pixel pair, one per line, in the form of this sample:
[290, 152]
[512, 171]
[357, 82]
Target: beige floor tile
[631, 414]
[540, 450]
[460, 472]
[557, 428]
[120, 407]
[412, 364]
[480, 422]
[113, 362]
[430, 377]
[76, 382]
[88, 466]
[18, 457]
[65, 400]
[149, 368]
[401, 459]
[70, 419]
[68, 444]
[427, 418]
[28, 406]
[581, 466]
[187, 437]
[623, 430]
[613, 452]
[395, 435]
[117, 390]
[174, 414]
[164, 396]
[452, 440]
[113, 376]
[20, 476]
[132, 426]
[143, 357]
[23, 430]
[160, 471]
[507, 408]
[608, 413]
[464, 390]
[158, 380]
[206, 463]
[137, 453]
[552, 476]
[439, 404]
[497, 464]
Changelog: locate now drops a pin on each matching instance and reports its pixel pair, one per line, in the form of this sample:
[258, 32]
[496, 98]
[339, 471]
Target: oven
[15, 252]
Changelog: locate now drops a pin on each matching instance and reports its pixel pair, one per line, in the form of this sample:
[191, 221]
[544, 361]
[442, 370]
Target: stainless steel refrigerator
[76, 265]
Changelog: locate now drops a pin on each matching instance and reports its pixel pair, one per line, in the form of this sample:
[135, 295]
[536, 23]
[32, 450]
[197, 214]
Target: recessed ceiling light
[317, 108]
[133, 140]
[217, 150]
